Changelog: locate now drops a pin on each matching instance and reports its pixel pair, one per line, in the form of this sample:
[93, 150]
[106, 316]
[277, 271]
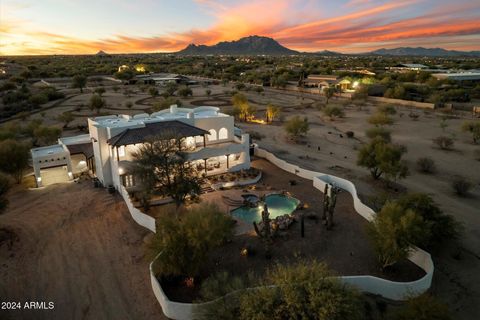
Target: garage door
[54, 175]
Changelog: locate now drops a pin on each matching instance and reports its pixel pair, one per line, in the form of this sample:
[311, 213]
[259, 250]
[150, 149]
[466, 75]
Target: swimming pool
[278, 205]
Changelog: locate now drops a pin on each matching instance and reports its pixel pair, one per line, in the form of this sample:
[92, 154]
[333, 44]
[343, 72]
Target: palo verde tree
[162, 164]
[14, 157]
[394, 231]
[383, 158]
[79, 81]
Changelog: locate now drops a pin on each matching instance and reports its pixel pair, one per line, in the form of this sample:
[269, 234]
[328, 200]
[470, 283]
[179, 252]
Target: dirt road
[77, 247]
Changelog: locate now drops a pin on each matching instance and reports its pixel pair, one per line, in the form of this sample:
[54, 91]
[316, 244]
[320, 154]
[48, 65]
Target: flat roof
[83, 138]
[164, 115]
[47, 151]
[459, 76]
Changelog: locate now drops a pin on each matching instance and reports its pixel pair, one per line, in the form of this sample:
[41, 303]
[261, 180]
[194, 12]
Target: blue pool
[278, 205]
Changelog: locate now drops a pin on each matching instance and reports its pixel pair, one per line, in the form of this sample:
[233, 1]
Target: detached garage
[51, 164]
[60, 162]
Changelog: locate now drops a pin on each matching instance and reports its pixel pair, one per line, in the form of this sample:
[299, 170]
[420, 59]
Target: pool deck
[274, 180]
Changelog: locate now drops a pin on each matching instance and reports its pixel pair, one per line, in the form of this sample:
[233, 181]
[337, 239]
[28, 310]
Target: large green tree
[162, 165]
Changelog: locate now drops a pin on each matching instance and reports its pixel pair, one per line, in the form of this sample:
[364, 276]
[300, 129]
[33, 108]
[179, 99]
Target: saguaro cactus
[329, 202]
[266, 233]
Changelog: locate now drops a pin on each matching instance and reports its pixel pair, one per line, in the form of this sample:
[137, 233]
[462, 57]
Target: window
[213, 135]
[223, 134]
[128, 180]
[121, 151]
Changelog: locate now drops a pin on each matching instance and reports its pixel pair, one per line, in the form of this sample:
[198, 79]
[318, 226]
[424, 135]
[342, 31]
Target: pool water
[278, 205]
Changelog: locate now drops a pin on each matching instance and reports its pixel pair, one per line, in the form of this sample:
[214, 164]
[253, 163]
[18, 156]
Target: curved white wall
[388, 289]
[139, 217]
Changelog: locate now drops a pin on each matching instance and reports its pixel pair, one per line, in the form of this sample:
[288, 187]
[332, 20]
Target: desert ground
[77, 247]
[327, 149]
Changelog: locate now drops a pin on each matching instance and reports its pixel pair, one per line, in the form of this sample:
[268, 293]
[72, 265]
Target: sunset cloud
[350, 26]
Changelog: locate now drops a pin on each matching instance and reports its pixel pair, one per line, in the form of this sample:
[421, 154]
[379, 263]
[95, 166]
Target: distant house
[403, 67]
[459, 76]
[161, 79]
[326, 81]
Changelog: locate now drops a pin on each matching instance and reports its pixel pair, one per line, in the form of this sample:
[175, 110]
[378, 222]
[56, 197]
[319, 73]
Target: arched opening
[223, 134]
[212, 136]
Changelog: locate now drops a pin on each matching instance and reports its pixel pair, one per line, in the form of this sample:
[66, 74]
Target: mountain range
[252, 45]
[258, 45]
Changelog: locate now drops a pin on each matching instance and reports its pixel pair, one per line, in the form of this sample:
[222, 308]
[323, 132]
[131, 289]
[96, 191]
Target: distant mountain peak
[421, 51]
[251, 45]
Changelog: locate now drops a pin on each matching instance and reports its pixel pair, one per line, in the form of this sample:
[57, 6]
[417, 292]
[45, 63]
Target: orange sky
[120, 26]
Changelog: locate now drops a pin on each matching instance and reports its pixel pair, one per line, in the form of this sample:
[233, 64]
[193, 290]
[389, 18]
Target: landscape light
[39, 179]
[120, 171]
[355, 84]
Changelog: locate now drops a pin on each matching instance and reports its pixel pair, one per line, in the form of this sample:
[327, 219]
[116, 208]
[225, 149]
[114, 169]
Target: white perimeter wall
[388, 289]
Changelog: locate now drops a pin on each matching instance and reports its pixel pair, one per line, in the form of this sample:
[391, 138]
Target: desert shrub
[185, 91]
[441, 227]
[296, 127]
[444, 142]
[380, 119]
[473, 127]
[255, 135]
[476, 154]
[186, 242]
[38, 99]
[381, 132]
[386, 109]
[14, 157]
[461, 186]
[333, 112]
[426, 165]
[394, 231]
[350, 134]
[4, 187]
[423, 307]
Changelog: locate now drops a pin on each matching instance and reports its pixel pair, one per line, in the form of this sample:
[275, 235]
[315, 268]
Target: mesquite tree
[265, 233]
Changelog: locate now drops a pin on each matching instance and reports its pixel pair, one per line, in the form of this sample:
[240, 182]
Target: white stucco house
[213, 144]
